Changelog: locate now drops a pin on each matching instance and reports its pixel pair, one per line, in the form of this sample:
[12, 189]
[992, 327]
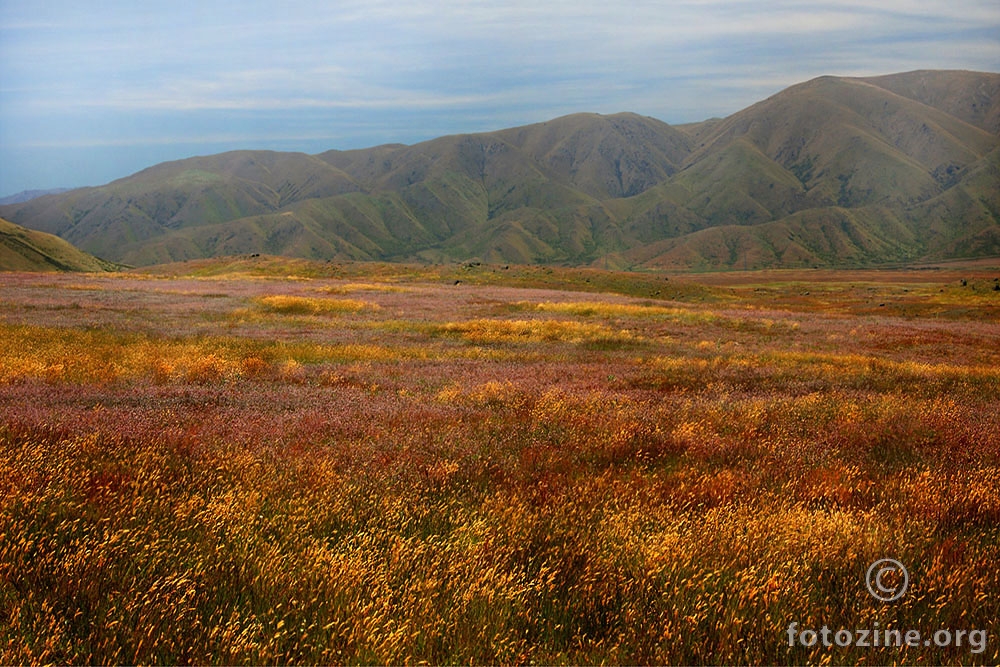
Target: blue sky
[93, 91]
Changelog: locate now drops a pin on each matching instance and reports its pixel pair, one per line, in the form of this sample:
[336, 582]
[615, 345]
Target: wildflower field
[274, 461]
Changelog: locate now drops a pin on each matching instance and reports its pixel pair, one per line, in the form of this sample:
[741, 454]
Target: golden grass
[379, 493]
[69, 355]
[487, 331]
[348, 288]
[301, 305]
[687, 316]
[619, 310]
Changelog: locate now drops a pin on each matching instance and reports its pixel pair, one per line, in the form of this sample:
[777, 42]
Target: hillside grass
[23, 249]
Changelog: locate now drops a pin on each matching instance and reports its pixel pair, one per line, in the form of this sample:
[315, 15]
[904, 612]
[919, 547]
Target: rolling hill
[833, 171]
[29, 250]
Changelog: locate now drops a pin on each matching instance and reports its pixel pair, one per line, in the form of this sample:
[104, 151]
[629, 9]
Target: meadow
[262, 460]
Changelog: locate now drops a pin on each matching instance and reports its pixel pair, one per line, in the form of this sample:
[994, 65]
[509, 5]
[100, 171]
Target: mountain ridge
[28, 195]
[851, 170]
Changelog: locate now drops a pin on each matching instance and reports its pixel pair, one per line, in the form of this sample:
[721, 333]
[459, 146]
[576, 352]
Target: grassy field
[276, 461]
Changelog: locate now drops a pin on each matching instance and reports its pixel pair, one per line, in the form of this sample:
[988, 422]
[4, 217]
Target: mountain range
[835, 171]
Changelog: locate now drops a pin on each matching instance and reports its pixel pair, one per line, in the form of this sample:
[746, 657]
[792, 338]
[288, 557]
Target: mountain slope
[118, 219]
[831, 171]
[24, 249]
[968, 96]
[845, 135]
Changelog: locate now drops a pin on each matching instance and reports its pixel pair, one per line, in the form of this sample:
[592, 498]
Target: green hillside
[968, 96]
[24, 249]
[833, 171]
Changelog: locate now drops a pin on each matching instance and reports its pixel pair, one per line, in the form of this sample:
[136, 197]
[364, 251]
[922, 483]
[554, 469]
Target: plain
[270, 460]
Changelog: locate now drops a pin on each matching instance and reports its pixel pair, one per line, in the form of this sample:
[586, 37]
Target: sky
[94, 91]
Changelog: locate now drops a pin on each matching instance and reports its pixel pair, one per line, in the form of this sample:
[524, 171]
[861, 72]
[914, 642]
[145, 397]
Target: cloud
[113, 71]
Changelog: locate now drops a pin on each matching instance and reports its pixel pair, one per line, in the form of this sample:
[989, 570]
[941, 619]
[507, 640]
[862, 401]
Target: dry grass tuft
[348, 288]
[301, 305]
[485, 331]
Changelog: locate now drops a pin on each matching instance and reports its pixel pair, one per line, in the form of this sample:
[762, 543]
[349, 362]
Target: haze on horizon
[91, 93]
